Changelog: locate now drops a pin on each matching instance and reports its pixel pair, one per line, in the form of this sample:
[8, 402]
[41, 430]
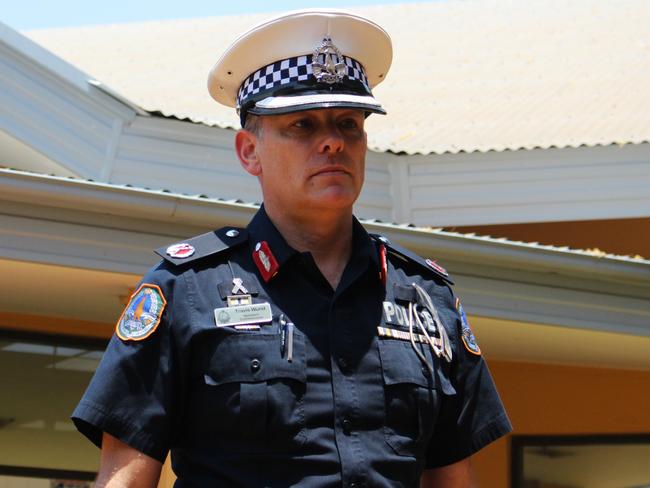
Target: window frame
[47, 473]
[519, 442]
[62, 340]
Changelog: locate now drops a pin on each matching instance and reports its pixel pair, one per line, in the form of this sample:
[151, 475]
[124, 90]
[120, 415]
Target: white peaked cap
[281, 65]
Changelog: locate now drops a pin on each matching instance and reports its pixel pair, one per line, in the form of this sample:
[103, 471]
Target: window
[42, 379]
[593, 461]
[11, 477]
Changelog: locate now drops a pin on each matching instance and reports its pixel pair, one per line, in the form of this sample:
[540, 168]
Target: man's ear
[246, 148]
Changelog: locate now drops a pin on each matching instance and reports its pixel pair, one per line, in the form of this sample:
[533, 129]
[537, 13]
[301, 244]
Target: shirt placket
[345, 388]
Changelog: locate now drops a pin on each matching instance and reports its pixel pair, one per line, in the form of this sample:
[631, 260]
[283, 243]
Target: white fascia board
[504, 254]
[117, 228]
[67, 72]
[173, 130]
[125, 201]
[58, 110]
[39, 55]
[565, 303]
[122, 201]
[117, 96]
[525, 186]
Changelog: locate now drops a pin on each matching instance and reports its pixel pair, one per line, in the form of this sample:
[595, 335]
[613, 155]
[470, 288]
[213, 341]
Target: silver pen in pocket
[289, 340]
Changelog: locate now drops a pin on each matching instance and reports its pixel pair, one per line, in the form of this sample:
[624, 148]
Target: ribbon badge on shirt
[142, 315]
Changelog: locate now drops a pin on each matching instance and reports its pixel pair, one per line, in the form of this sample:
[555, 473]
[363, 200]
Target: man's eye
[303, 124]
[349, 124]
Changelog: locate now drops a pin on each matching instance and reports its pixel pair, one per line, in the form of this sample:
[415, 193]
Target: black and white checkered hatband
[289, 71]
[294, 77]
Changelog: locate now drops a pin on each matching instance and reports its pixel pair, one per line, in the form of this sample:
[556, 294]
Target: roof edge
[44, 58]
[221, 124]
[488, 251]
[19, 186]
[62, 69]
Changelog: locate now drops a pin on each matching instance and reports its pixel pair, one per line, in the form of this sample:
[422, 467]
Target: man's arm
[121, 466]
[457, 475]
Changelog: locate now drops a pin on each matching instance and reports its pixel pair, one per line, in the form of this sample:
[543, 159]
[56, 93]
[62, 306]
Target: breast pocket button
[256, 364]
[347, 427]
[343, 365]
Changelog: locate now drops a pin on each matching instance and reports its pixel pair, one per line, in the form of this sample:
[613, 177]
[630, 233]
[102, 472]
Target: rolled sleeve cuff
[493, 430]
[92, 421]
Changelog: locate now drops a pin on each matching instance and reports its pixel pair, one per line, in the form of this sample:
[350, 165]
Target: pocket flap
[249, 358]
[400, 364]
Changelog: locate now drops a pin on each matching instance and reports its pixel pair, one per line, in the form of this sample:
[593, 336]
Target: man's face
[313, 159]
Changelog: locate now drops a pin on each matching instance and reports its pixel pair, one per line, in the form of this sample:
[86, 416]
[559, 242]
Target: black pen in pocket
[282, 331]
[286, 337]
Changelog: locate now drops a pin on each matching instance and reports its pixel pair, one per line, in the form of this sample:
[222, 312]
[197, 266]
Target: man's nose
[332, 141]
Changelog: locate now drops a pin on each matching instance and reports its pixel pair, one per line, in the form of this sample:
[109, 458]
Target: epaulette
[204, 245]
[403, 253]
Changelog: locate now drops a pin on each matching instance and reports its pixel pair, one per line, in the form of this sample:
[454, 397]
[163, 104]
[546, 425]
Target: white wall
[538, 185]
[85, 131]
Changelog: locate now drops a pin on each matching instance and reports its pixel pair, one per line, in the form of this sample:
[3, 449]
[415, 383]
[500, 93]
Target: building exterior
[526, 123]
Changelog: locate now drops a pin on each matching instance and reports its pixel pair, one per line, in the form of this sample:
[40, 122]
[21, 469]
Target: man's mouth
[332, 170]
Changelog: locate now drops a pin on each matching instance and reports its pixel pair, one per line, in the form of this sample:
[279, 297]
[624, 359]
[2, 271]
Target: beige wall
[552, 399]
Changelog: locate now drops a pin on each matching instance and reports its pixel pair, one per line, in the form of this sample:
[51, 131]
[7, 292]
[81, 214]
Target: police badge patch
[180, 251]
[468, 336]
[142, 315]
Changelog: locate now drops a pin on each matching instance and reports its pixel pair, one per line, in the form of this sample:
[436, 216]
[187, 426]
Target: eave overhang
[84, 224]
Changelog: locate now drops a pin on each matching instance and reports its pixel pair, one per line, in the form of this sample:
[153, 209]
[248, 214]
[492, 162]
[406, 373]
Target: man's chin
[334, 199]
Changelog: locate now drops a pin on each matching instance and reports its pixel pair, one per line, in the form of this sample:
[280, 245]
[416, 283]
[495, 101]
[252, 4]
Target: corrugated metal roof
[501, 241]
[467, 75]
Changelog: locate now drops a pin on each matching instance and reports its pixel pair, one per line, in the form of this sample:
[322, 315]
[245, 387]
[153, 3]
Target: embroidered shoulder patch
[142, 315]
[468, 336]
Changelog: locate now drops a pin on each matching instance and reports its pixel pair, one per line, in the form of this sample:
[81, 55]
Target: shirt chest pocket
[412, 397]
[255, 395]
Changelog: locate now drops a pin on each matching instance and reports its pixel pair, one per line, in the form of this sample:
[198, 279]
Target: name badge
[257, 313]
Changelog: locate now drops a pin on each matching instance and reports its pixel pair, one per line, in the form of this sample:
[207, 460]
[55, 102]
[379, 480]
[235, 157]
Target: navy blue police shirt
[352, 403]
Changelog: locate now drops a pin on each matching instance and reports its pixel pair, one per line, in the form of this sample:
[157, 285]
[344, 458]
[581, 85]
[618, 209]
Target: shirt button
[255, 365]
[343, 364]
[347, 427]
[425, 371]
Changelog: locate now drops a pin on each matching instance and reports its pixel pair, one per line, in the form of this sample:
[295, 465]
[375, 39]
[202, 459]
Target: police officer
[299, 351]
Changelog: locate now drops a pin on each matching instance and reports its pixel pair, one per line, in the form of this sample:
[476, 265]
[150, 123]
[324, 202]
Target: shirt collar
[364, 258]
[261, 229]
[363, 247]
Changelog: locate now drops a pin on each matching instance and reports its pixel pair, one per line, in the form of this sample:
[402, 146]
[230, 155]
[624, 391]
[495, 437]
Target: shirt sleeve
[474, 416]
[132, 394]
